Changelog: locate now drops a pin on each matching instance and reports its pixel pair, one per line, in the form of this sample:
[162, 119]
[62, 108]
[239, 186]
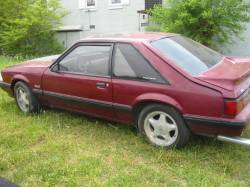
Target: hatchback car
[167, 85]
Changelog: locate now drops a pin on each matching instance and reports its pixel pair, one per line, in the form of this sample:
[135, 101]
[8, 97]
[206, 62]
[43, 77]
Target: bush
[211, 22]
[27, 27]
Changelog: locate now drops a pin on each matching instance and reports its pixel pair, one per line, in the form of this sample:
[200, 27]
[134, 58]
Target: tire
[163, 126]
[25, 99]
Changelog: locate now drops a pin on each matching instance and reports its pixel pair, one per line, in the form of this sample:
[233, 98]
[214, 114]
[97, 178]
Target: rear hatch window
[189, 55]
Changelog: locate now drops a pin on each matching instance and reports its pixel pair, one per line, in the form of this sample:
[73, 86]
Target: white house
[87, 17]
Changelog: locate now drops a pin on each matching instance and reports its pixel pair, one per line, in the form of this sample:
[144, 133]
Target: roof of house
[128, 37]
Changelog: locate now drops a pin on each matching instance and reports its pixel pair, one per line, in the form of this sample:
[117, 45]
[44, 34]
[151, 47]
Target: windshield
[188, 54]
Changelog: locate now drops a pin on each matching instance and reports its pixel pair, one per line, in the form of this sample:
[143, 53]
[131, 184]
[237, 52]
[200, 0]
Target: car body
[211, 102]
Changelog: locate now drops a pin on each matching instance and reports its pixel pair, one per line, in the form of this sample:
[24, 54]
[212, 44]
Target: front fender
[156, 97]
[20, 77]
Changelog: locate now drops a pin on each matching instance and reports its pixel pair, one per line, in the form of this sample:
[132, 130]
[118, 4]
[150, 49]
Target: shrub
[211, 22]
[27, 27]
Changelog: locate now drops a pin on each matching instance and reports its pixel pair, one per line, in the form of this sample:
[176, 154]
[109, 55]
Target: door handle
[102, 85]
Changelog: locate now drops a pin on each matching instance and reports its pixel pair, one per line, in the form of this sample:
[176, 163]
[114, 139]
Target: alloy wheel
[160, 128]
[22, 99]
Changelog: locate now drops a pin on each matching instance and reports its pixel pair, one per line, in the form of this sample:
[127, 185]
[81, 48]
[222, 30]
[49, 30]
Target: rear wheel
[163, 126]
[25, 99]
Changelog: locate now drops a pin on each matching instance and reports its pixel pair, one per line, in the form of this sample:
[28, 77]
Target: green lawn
[58, 148]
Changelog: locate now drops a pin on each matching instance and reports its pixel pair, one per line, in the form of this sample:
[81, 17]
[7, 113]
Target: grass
[58, 148]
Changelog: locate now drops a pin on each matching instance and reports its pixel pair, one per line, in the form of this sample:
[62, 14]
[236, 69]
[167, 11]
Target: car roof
[127, 37]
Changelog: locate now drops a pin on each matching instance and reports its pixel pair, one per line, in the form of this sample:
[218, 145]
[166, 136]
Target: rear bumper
[219, 126]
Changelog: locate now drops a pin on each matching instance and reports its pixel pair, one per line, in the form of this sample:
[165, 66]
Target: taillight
[233, 107]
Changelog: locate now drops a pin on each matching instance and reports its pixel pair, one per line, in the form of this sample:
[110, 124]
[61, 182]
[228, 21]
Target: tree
[211, 22]
[28, 27]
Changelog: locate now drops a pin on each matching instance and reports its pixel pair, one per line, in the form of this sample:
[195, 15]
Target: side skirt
[84, 101]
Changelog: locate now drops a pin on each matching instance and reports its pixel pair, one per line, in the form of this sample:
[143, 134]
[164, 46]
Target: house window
[115, 2]
[87, 4]
[90, 3]
[118, 3]
[151, 3]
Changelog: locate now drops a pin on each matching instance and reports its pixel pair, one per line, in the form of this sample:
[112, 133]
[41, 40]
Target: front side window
[87, 60]
[189, 55]
[130, 64]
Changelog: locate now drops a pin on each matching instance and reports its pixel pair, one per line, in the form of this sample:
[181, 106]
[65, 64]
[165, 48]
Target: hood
[231, 74]
[38, 62]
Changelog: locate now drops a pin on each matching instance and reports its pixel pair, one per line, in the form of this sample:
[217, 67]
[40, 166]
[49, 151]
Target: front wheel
[25, 99]
[163, 126]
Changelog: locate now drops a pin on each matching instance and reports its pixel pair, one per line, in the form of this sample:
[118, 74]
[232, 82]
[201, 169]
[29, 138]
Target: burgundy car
[167, 85]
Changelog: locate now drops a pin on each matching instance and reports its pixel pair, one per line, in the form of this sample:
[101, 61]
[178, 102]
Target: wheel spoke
[22, 97]
[19, 94]
[162, 119]
[166, 137]
[171, 127]
[26, 101]
[153, 122]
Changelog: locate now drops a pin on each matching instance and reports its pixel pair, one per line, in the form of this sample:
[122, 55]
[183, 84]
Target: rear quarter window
[130, 64]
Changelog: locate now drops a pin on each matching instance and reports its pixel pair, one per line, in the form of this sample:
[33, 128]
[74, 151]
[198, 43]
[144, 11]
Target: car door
[80, 80]
[133, 76]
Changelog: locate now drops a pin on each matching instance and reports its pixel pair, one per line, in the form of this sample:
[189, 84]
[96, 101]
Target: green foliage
[27, 27]
[211, 22]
